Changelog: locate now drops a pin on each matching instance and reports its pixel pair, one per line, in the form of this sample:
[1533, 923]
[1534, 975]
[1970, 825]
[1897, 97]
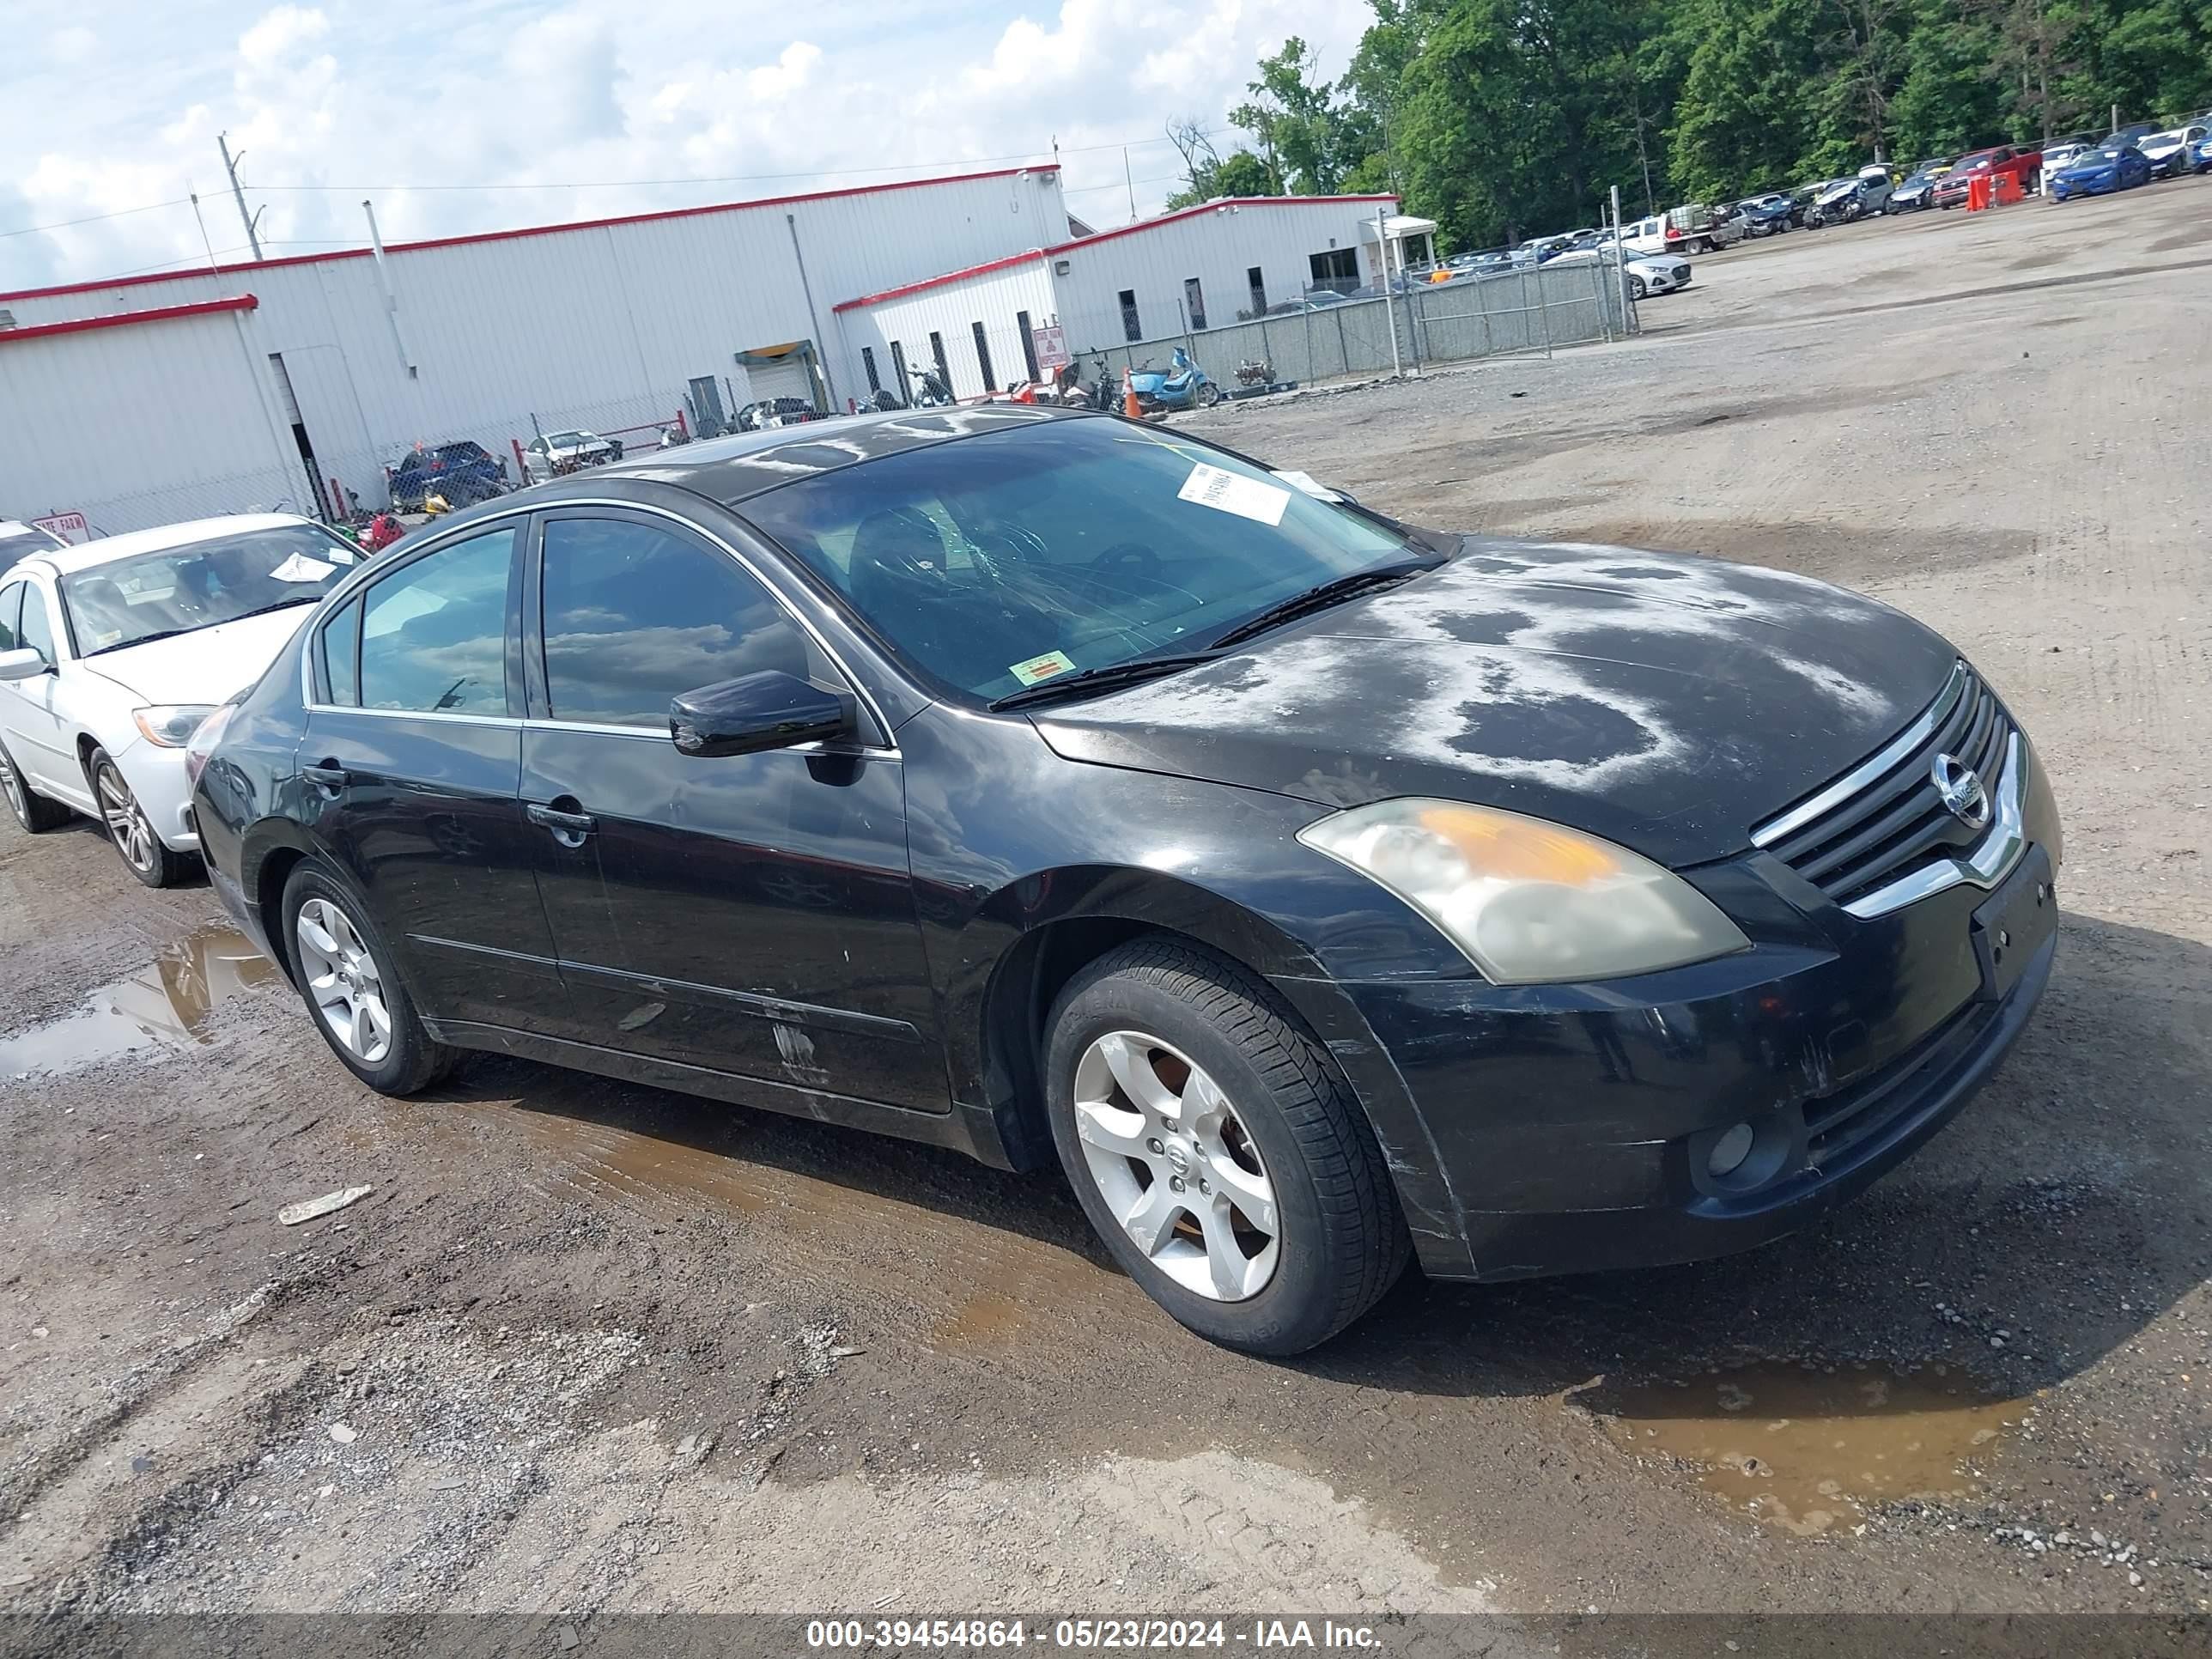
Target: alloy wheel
[343, 980]
[12, 786]
[125, 819]
[1174, 1162]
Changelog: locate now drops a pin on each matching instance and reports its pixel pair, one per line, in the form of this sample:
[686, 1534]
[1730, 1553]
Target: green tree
[1304, 139]
[1745, 118]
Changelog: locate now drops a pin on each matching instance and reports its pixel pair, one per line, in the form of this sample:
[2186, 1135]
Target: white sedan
[112, 652]
[1648, 273]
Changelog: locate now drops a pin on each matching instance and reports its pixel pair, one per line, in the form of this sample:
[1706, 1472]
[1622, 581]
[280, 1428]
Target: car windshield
[997, 562]
[179, 590]
[569, 439]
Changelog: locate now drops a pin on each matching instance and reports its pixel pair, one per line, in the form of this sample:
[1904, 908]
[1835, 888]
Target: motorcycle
[1184, 385]
[1255, 372]
[933, 392]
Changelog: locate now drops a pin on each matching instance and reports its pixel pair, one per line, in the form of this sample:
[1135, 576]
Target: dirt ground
[589, 1348]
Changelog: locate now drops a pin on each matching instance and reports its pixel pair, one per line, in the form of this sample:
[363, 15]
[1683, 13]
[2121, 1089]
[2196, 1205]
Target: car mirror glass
[757, 712]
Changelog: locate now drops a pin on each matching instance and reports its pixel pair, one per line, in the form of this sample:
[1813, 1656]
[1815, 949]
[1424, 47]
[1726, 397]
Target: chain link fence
[1510, 313]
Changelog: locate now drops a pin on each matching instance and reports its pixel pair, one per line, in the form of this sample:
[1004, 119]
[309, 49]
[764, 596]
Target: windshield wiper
[144, 638]
[315, 598]
[172, 633]
[1101, 679]
[1320, 598]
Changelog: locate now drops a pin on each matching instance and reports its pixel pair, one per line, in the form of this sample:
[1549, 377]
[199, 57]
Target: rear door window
[433, 633]
[11, 606]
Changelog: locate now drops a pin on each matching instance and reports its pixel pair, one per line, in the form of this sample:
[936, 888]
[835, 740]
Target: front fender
[1010, 841]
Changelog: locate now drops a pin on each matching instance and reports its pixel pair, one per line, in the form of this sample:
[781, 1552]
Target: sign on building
[70, 527]
[1051, 348]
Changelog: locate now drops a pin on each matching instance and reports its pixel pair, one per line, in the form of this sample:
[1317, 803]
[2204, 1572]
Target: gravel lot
[590, 1348]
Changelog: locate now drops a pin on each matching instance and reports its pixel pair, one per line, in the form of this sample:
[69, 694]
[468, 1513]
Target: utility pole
[230, 167]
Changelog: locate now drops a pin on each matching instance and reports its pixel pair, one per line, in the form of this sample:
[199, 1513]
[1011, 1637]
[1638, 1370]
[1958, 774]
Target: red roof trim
[904, 288]
[966, 271]
[526, 231]
[126, 318]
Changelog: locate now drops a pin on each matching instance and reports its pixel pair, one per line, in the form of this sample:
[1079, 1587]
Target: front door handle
[328, 777]
[569, 829]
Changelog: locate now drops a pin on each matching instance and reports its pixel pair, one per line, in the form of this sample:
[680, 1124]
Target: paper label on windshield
[1311, 485]
[1229, 492]
[298, 568]
[1041, 668]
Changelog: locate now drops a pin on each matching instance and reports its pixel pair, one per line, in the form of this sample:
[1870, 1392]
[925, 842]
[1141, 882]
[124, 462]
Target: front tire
[1228, 1172]
[344, 971]
[131, 832]
[31, 811]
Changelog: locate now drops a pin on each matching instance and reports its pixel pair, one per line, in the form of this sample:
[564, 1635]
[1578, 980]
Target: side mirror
[23, 664]
[756, 712]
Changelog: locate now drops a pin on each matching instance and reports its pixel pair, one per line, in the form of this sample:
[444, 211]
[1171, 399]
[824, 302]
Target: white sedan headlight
[171, 726]
[1529, 903]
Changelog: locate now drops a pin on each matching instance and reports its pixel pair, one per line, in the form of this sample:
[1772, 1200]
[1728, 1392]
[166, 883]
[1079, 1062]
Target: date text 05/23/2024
[1087, 1635]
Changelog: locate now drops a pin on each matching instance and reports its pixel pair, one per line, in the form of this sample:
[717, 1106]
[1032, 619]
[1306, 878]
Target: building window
[1338, 269]
[1252, 280]
[1028, 343]
[1130, 328]
[904, 390]
[983, 358]
[868, 362]
[1193, 301]
[937, 350]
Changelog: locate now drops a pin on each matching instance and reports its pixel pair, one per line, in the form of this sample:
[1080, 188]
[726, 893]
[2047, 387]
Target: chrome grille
[1884, 819]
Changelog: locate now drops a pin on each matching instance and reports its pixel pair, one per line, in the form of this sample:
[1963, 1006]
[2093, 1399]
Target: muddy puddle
[160, 1010]
[1006, 1283]
[1811, 1449]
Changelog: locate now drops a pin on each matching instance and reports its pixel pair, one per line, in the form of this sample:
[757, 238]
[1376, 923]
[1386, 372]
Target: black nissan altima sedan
[1323, 892]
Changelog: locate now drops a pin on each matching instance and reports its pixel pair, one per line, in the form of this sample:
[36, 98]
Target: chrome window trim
[1990, 862]
[443, 716]
[853, 681]
[1890, 754]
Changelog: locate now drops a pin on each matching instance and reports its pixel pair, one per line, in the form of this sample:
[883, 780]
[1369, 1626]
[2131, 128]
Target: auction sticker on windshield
[298, 568]
[1041, 668]
[1227, 492]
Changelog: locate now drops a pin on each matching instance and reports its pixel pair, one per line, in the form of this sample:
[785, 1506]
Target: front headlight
[1529, 903]
[171, 726]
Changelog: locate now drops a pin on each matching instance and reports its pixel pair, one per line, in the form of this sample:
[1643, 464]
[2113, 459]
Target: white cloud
[73, 44]
[332, 104]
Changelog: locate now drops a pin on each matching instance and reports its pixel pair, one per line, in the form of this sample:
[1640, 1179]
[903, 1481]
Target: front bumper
[1572, 1125]
[156, 777]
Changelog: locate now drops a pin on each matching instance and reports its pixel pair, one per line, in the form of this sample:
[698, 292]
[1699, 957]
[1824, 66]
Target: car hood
[1666, 702]
[205, 665]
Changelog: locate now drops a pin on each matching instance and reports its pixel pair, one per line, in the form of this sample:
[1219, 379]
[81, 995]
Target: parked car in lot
[1916, 194]
[18, 542]
[2173, 153]
[111, 653]
[462, 473]
[1850, 199]
[1320, 298]
[551, 454]
[1319, 892]
[2001, 162]
[2200, 155]
[775, 412]
[1768, 215]
[1647, 273]
[2100, 172]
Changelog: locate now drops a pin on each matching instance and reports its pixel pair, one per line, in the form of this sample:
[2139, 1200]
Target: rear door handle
[569, 829]
[329, 776]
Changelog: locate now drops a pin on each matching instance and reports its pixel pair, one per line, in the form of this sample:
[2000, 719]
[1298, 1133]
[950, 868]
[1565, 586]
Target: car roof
[86, 555]
[744, 463]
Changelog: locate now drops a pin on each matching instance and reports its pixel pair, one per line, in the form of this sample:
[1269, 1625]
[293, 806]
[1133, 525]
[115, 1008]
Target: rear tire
[131, 832]
[1286, 1228]
[344, 972]
[33, 812]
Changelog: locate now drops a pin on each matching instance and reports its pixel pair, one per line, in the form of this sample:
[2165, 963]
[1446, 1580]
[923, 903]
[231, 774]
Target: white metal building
[140, 400]
[1198, 267]
[605, 325]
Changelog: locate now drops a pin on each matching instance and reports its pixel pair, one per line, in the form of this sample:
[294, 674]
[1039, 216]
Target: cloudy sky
[598, 106]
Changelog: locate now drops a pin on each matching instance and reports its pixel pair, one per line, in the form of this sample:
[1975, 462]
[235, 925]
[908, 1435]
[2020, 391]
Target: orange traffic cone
[1130, 407]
